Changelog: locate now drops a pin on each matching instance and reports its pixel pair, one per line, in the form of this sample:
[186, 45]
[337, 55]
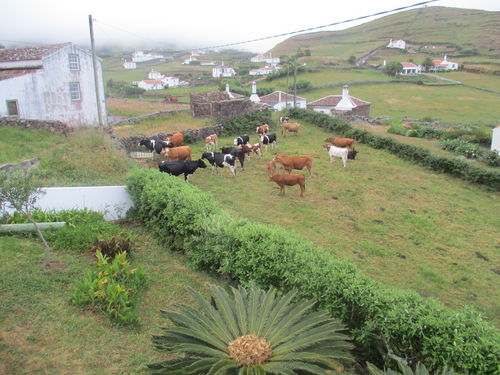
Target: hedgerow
[416, 328]
[248, 123]
[418, 155]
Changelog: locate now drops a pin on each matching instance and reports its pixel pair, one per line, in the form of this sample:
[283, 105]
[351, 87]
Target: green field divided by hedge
[416, 328]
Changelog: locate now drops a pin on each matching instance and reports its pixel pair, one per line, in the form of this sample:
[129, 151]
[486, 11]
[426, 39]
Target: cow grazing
[351, 155]
[337, 152]
[236, 151]
[262, 129]
[178, 167]
[268, 139]
[341, 142]
[241, 140]
[249, 149]
[292, 127]
[177, 153]
[153, 145]
[295, 162]
[284, 119]
[211, 142]
[220, 160]
[289, 180]
[175, 140]
[270, 167]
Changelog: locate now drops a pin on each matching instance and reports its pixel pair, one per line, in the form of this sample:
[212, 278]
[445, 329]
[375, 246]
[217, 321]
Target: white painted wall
[495, 141]
[113, 201]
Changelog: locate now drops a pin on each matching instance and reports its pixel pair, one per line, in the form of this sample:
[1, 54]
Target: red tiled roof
[29, 53]
[408, 65]
[333, 100]
[152, 81]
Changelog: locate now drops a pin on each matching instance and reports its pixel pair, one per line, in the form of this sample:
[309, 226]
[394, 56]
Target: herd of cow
[179, 157]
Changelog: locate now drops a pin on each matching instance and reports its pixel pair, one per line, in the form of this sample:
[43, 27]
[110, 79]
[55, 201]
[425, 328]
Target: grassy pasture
[135, 107]
[486, 81]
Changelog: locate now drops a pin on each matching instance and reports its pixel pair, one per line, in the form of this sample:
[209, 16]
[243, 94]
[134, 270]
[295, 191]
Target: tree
[393, 68]
[20, 189]
[351, 60]
[252, 332]
[427, 64]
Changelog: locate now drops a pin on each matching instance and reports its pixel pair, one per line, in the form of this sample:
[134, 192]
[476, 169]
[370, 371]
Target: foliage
[301, 84]
[71, 217]
[112, 288]
[420, 369]
[474, 135]
[252, 332]
[492, 158]
[352, 59]
[123, 88]
[397, 128]
[393, 68]
[111, 246]
[420, 131]
[427, 64]
[461, 147]
[248, 123]
[415, 328]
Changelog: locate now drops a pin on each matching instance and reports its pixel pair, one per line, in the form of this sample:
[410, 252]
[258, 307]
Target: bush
[248, 123]
[397, 128]
[111, 246]
[492, 158]
[460, 147]
[112, 288]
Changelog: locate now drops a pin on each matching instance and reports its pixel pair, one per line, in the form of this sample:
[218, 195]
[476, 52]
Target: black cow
[186, 167]
[153, 145]
[220, 160]
[351, 155]
[241, 140]
[236, 151]
[269, 139]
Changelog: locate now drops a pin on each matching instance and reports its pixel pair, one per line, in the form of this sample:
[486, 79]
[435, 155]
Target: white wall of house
[171, 81]
[129, 65]
[495, 139]
[282, 105]
[223, 71]
[325, 110]
[45, 94]
[148, 86]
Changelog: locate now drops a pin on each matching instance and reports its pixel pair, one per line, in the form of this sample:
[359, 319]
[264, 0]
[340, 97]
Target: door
[12, 109]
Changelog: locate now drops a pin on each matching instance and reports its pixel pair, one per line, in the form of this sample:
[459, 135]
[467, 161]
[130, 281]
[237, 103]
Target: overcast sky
[186, 24]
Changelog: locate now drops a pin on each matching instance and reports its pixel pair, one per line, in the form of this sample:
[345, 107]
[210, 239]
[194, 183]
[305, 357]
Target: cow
[175, 140]
[268, 139]
[153, 145]
[270, 167]
[211, 142]
[351, 155]
[292, 127]
[295, 162]
[262, 129]
[248, 149]
[241, 140]
[177, 153]
[220, 160]
[289, 180]
[178, 167]
[284, 119]
[341, 142]
[337, 152]
[236, 151]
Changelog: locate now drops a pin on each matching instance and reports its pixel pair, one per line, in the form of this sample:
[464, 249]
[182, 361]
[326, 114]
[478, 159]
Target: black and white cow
[178, 167]
[351, 155]
[241, 140]
[153, 145]
[269, 139]
[236, 151]
[220, 160]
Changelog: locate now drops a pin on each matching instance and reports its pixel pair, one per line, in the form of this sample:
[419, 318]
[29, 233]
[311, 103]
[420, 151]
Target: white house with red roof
[52, 82]
[397, 43]
[263, 71]
[443, 65]
[341, 104]
[269, 59]
[410, 69]
[157, 81]
[279, 100]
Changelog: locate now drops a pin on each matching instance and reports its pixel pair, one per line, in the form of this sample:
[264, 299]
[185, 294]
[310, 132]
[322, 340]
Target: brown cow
[271, 167]
[262, 129]
[289, 180]
[341, 142]
[177, 153]
[248, 149]
[292, 127]
[211, 142]
[175, 140]
[295, 162]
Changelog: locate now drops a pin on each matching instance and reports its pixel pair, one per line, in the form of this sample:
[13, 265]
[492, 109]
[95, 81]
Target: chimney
[345, 104]
[254, 97]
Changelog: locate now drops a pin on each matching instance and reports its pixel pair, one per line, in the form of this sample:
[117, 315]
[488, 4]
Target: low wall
[112, 201]
[30, 163]
[51, 126]
[143, 117]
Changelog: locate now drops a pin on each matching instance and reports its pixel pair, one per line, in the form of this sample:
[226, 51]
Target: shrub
[110, 247]
[248, 122]
[492, 158]
[460, 147]
[397, 128]
[112, 288]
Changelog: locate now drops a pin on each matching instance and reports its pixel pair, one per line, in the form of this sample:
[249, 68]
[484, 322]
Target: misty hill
[430, 30]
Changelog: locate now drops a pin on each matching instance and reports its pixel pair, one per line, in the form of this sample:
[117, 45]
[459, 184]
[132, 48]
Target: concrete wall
[113, 201]
[495, 140]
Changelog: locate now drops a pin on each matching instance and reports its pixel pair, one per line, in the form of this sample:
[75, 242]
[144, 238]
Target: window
[74, 90]
[12, 108]
[74, 62]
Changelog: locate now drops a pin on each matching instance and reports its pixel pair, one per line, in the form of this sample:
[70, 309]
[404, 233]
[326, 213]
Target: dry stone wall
[52, 126]
[219, 106]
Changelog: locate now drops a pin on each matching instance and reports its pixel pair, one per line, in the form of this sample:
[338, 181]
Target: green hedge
[247, 123]
[418, 155]
[420, 329]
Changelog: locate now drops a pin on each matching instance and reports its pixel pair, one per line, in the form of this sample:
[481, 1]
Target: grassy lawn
[135, 107]
[42, 333]
[487, 81]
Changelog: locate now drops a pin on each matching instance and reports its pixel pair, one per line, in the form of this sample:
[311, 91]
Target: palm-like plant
[420, 369]
[251, 332]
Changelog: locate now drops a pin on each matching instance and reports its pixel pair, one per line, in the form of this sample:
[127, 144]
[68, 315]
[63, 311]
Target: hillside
[455, 31]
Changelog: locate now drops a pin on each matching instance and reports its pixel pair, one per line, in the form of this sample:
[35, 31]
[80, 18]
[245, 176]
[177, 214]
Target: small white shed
[495, 140]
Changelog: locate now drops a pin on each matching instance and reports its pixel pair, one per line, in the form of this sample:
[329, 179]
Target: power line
[279, 35]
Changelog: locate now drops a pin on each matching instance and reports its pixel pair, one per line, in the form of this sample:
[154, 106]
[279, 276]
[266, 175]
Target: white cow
[337, 152]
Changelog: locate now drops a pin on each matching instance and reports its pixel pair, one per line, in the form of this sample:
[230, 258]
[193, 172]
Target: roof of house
[279, 96]
[153, 81]
[29, 53]
[333, 100]
[408, 65]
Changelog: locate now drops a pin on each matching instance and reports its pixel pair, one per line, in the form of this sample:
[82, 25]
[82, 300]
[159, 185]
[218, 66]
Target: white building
[223, 72]
[397, 44]
[154, 75]
[263, 71]
[410, 69]
[344, 103]
[140, 56]
[495, 140]
[265, 59]
[54, 82]
[150, 84]
[129, 65]
[443, 65]
[171, 81]
[189, 60]
[157, 81]
[279, 100]
[254, 97]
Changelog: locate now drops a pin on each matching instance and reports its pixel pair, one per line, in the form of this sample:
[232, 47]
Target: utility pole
[96, 81]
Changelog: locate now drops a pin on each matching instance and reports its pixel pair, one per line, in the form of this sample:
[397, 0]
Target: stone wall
[30, 163]
[52, 126]
[219, 106]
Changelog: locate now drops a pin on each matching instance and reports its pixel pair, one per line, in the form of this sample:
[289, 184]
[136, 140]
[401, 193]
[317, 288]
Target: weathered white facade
[495, 140]
[129, 65]
[410, 69]
[223, 72]
[279, 100]
[443, 65]
[401, 44]
[51, 83]
[266, 59]
[263, 71]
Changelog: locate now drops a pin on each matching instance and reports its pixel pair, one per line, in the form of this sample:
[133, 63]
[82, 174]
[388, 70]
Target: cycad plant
[251, 332]
[420, 369]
